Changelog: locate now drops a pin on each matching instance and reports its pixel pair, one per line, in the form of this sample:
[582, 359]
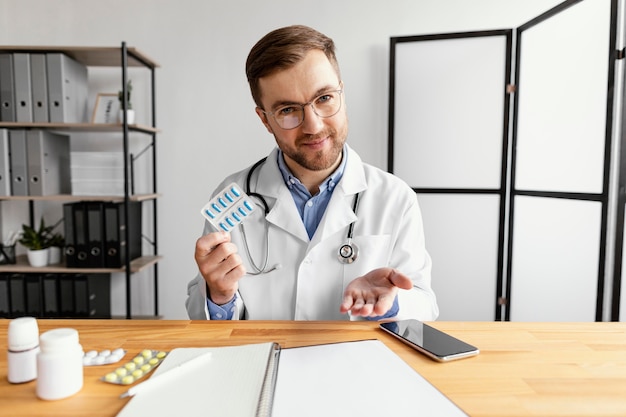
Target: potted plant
[130, 113]
[37, 242]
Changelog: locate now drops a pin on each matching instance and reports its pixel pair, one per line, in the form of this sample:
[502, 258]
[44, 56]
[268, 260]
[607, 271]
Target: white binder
[7, 95]
[39, 85]
[48, 156]
[5, 172]
[67, 89]
[18, 162]
[23, 92]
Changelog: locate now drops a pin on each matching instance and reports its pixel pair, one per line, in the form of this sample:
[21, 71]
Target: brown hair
[281, 49]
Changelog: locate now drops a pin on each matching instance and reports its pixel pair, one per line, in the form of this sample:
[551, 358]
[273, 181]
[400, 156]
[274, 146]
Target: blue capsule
[236, 217]
[230, 222]
[209, 213]
[247, 205]
[222, 202]
[216, 208]
[242, 211]
[235, 191]
[228, 197]
[223, 226]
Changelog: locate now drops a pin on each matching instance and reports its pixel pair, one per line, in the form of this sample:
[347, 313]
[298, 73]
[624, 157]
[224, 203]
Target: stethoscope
[347, 253]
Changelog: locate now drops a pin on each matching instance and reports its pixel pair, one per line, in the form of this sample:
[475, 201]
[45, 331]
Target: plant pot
[130, 116]
[54, 255]
[38, 257]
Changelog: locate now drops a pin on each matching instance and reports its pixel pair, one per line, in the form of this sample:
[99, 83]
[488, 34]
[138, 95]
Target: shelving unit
[121, 57]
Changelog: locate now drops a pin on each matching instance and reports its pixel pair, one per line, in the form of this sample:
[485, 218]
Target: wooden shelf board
[95, 56]
[22, 266]
[69, 197]
[80, 127]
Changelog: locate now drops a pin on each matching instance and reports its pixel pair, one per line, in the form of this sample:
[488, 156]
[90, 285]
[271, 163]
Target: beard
[322, 159]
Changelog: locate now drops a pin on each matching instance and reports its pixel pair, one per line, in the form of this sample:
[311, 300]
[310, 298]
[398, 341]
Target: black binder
[17, 299]
[81, 296]
[95, 234]
[80, 235]
[119, 233]
[32, 288]
[4, 296]
[50, 295]
[70, 236]
[66, 295]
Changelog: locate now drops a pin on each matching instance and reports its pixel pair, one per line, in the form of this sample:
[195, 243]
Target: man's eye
[286, 111]
[324, 98]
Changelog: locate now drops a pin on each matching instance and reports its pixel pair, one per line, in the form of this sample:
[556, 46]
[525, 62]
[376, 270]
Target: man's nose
[312, 123]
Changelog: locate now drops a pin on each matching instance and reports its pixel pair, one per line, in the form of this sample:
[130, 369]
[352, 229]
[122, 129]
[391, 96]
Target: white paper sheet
[362, 379]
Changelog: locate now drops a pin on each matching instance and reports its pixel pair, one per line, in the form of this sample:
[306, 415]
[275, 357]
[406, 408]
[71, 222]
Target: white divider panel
[555, 259]
[448, 112]
[462, 239]
[562, 101]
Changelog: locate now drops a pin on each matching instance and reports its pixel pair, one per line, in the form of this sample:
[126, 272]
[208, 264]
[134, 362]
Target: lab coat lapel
[339, 213]
[283, 212]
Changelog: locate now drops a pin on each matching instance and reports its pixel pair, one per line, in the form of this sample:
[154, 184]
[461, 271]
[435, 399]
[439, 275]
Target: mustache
[314, 138]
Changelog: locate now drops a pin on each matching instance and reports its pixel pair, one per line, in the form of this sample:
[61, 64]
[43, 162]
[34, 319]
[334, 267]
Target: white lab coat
[310, 280]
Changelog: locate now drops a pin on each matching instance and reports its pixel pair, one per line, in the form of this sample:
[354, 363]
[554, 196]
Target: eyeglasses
[292, 115]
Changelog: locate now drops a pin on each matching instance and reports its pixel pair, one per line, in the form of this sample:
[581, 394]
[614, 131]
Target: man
[323, 205]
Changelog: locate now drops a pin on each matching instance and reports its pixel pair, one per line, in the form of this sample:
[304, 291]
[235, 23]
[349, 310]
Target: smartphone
[433, 343]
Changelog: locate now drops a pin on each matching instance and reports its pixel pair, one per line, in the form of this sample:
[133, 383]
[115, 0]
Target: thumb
[400, 280]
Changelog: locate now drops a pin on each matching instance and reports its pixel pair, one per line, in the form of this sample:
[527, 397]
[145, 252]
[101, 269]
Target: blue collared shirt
[311, 207]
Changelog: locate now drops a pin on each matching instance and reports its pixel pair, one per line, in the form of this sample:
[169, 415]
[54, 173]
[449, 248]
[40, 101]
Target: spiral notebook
[236, 381]
[361, 378]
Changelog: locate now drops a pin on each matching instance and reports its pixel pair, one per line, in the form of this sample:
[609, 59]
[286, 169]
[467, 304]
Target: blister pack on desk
[104, 357]
[135, 369]
[228, 208]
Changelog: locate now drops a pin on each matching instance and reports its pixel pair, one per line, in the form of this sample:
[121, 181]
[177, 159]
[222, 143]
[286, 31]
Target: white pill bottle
[23, 346]
[59, 364]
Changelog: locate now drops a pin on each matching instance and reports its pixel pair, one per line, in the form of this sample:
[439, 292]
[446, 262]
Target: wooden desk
[524, 369]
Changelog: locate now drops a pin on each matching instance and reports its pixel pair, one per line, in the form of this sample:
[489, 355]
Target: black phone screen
[428, 338]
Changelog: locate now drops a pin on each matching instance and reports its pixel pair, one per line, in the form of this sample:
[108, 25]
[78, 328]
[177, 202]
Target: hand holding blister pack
[228, 208]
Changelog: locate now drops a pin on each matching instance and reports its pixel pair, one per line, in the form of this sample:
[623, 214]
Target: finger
[400, 280]
[382, 306]
[207, 243]
[357, 307]
[229, 267]
[368, 308]
[347, 303]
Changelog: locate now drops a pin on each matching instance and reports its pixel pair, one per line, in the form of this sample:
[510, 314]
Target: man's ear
[264, 120]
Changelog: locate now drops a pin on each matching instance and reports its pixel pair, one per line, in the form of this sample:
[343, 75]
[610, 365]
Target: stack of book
[97, 173]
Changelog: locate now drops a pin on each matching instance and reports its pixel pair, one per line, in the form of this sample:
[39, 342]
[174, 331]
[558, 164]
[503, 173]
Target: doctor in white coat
[331, 238]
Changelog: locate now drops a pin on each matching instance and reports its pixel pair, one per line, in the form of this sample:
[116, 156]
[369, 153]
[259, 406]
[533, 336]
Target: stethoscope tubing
[347, 253]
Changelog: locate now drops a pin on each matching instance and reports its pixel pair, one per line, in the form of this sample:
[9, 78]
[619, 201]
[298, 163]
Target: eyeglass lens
[292, 116]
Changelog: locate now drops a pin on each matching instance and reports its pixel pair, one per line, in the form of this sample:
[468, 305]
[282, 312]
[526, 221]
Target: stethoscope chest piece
[348, 252]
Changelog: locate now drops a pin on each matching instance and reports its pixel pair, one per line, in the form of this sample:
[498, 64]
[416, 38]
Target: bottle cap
[59, 340]
[23, 334]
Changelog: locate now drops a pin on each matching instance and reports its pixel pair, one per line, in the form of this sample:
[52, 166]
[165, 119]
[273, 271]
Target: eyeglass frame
[303, 105]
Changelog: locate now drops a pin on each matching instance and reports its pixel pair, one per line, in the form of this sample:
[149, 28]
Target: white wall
[203, 104]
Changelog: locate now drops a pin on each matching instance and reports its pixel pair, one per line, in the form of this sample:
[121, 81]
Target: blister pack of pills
[104, 357]
[228, 208]
[135, 369]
